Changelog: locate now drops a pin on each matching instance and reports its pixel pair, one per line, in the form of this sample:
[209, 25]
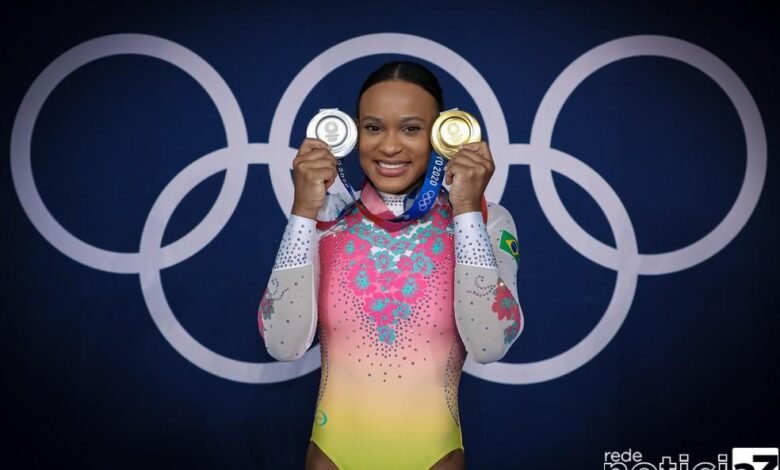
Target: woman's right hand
[314, 171]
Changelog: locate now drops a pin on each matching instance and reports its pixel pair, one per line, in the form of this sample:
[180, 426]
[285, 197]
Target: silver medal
[336, 129]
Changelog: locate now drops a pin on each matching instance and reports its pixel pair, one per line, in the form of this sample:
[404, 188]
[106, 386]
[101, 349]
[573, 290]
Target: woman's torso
[391, 354]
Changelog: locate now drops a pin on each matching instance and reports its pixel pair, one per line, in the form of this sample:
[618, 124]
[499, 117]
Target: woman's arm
[287, 317]
[487, 312]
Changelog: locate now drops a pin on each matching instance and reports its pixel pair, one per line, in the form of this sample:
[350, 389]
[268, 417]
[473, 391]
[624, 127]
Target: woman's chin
[391, 185]
[390, 189]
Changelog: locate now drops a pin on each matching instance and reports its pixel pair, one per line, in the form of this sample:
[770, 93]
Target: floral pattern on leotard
[265, 311]
[390, 272]
[507, 308]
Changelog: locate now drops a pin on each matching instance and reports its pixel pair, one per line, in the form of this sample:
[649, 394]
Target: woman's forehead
[397, 98]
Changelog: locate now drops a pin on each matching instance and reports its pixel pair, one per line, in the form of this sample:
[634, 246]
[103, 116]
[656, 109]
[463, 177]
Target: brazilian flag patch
[508, 243]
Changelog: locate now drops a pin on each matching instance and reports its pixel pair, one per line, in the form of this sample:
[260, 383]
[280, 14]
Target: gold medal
[452, 129]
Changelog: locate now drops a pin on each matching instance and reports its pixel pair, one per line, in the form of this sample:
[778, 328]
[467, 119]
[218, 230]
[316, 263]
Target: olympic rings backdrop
[147, 184]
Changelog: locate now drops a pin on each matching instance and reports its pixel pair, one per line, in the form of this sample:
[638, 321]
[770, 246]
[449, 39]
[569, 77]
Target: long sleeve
[487, 310]
[287, 316]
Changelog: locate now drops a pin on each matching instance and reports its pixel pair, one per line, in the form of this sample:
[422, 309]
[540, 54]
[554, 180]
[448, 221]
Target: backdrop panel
[147, 184]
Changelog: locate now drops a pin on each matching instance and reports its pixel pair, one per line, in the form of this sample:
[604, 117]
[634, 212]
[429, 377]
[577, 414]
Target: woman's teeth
[391, 166]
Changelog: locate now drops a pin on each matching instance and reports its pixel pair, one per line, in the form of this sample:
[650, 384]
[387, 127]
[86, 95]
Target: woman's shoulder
[500, 220]
[496, 210]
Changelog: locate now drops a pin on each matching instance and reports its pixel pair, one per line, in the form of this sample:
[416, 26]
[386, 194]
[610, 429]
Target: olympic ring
[625, 258]
[723, 76]
[21, 140]
[426, 200]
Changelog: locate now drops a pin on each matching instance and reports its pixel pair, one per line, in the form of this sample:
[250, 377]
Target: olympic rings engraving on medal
[234, 159]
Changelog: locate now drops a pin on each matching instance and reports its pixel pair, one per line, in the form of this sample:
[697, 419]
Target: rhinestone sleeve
[487, 311]
[298, 244]
[472, 242]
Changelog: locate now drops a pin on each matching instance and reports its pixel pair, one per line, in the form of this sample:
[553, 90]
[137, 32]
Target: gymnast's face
[395, 119]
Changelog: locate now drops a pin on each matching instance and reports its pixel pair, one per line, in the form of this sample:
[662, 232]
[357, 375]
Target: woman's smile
[393, 169]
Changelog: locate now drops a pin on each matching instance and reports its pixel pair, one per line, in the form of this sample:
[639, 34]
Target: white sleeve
[287, 316]
[487, 310]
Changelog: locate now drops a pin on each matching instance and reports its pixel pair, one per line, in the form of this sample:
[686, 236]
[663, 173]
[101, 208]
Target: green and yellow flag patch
[508, 243]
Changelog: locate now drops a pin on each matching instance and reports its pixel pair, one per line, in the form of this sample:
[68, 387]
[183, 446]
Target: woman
[397, 307]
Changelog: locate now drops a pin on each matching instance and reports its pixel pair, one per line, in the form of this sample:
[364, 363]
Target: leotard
[397, 313]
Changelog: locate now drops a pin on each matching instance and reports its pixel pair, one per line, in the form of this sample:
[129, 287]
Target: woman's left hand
[468, 173]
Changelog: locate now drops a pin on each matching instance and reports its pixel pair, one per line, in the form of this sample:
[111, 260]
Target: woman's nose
[390, 144]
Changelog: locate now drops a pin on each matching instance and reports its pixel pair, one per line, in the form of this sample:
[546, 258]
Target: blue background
[88, 378]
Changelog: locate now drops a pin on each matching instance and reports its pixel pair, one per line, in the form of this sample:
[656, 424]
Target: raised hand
[314, 171]
[468, 173]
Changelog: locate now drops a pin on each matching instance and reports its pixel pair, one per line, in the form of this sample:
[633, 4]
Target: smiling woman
[398, 304]
[394, 145]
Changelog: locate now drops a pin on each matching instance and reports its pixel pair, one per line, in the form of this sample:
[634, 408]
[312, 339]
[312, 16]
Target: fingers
[316, 157]
[314, 163]
[468, 168]
[313, 154]
[481, 149]
[473, 161]
[310, 144]
[322, 175]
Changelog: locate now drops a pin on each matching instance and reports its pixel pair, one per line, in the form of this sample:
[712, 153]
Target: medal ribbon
[425, 198]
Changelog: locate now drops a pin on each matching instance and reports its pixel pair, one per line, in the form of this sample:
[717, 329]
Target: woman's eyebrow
[403, 120]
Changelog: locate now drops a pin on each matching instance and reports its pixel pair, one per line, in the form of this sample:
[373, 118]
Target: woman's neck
[394, 202]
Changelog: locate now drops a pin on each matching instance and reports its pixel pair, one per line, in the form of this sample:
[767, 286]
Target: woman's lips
[391, 169]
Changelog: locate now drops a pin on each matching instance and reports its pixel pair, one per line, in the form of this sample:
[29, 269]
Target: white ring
[58, 70]
[720, 73]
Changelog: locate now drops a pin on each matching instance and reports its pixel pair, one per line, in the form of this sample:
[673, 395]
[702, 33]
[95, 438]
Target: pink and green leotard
[397, 313]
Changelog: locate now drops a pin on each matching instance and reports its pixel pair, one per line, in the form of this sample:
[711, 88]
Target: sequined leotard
[396, 314]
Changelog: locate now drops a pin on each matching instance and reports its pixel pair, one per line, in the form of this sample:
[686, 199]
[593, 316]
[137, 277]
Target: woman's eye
[411, 129]
[371, 127]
